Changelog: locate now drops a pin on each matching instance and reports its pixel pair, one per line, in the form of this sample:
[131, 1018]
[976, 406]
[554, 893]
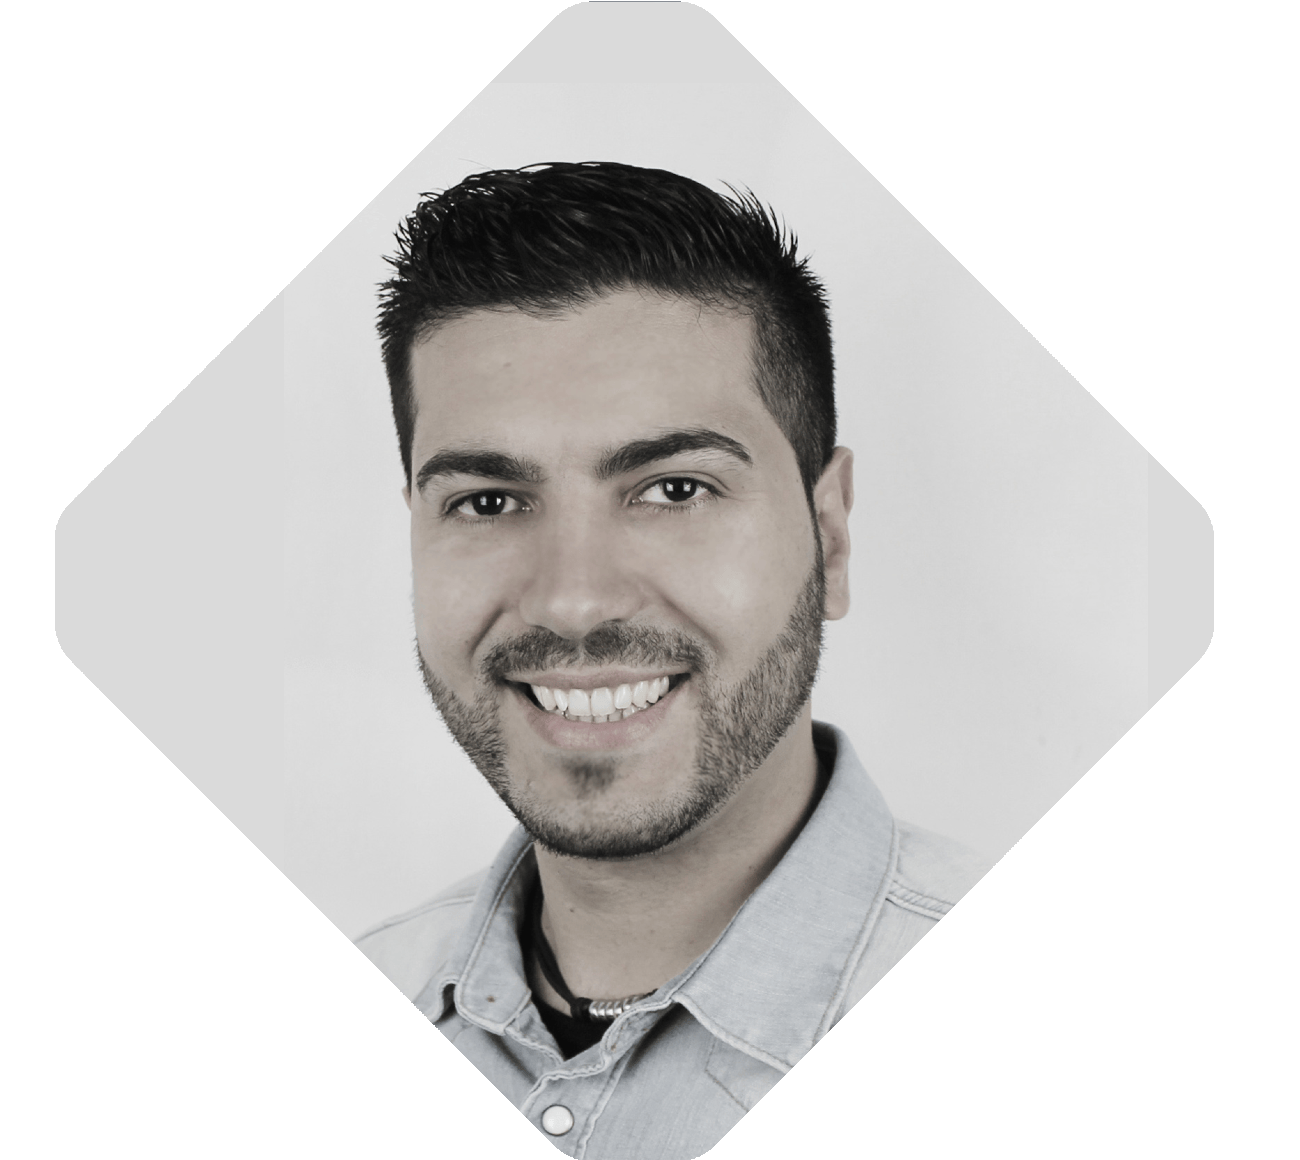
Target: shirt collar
[773, 982]
[486, 969]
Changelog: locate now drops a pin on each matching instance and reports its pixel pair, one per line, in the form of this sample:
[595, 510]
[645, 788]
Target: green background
[1113, 173]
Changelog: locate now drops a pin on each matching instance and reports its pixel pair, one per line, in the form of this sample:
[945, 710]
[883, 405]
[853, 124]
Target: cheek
[738, 586]
[456, 599]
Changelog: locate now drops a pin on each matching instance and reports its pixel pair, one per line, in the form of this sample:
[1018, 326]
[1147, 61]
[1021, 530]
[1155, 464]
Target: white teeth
[654, 689]
[579, 703]
[603, 704]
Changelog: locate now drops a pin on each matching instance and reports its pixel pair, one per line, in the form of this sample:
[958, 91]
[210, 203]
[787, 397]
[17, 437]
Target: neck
[626, 927]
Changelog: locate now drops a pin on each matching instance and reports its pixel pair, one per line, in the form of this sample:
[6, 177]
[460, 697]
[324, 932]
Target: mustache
[633, 645]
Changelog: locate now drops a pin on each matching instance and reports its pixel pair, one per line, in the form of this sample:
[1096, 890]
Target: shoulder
[409, 948]
[929, 876]
[932, 872]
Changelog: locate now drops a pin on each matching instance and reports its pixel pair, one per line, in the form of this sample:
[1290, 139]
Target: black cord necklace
[586, 1010]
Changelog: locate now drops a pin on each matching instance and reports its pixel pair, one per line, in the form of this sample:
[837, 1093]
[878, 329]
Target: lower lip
[590, 735]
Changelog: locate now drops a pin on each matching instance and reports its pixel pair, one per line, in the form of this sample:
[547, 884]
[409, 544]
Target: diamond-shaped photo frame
[246, 379]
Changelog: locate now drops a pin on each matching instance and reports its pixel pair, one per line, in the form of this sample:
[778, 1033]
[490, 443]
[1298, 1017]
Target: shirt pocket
[742, 1077]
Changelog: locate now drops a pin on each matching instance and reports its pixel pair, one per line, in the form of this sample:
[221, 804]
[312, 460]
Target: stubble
[739, 724]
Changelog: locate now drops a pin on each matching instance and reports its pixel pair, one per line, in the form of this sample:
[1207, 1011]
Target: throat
[623, 927]
[582, 1009]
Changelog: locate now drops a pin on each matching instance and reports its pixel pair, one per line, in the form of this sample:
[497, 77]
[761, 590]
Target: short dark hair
[553, 237]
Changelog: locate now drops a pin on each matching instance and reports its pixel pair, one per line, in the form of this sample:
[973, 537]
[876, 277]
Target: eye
[486, 504]
[674, 490]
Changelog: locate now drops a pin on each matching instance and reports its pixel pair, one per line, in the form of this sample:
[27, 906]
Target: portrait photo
[684, 583]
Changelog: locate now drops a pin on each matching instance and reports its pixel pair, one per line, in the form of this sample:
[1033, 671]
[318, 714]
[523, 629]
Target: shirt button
[557, 1119]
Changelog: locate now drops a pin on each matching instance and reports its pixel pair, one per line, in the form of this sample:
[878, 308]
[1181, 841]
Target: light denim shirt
[855, 891]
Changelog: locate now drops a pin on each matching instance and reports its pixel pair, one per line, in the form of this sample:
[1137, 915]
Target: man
[614, 401]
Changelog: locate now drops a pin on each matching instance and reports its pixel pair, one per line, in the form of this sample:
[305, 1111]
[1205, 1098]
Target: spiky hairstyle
[549, 238]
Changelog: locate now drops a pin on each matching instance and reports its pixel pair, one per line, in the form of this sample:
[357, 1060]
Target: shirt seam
[834, 1008]
[718, 1032]
[560, 1073]
[914, 900]
[457, 994]
[726, 1092]
[708, 1070]
[616, 1074]
[418, 912]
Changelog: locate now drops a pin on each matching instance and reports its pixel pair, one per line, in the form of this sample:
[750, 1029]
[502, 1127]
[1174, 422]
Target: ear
[406, 495]
[832, 501]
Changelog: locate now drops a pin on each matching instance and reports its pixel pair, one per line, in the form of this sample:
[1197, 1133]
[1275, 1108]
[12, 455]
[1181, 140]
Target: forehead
[625, 364]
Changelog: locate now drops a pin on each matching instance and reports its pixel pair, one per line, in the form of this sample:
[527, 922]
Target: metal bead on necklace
[607, 1010]
[587, 1010]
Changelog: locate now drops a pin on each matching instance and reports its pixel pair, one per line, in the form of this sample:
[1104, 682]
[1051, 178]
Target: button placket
[559, 1103]
[572, 1100]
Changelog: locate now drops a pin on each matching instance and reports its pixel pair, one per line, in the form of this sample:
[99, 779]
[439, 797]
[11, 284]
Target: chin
[599, 818]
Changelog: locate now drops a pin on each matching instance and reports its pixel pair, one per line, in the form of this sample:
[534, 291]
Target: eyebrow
[475, 461]
[500, 465]
[641, 452]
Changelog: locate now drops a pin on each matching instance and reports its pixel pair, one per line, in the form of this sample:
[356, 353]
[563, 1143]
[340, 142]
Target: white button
[557, 1119]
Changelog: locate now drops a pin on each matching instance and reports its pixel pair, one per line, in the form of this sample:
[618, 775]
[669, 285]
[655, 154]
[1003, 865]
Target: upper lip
[600, 679]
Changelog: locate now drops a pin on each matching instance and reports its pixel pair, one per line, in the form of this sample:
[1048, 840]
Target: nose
[580, 577]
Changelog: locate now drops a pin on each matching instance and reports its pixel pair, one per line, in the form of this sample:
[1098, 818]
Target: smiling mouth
[597, 706]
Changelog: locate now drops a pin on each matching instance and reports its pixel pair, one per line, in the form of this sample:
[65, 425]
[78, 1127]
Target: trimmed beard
[739, 726]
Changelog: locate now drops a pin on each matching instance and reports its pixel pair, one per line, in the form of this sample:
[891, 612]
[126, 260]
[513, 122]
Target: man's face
[618, 583]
